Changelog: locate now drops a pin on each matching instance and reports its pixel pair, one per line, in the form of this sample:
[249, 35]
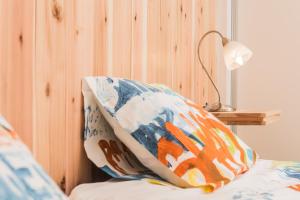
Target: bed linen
[21, 177]
[171, 135]
[267, 180]
[103, 147]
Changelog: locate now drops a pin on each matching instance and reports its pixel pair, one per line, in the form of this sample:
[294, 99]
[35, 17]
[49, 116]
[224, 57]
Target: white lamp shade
[236, 55]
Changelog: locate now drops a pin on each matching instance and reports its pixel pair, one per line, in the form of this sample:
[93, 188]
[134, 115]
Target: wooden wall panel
[161, 39]
[17, 32]
[182, 75]
[122, 37]
[204, 20]
[139, 40]
[48, 46]
[80, 19]
[102, 37]
[50, 87]
[213, 42]
[168, 40]
[154, 42]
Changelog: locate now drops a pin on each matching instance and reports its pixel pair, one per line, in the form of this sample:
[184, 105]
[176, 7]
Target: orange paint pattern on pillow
[295, 187]
[215, 148]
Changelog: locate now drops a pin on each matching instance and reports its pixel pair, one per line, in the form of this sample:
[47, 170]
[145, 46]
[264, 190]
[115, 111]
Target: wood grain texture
[204, 17]
[153, 43]
[182, 75]
[48, 46]
[139, 40]
[168, 47]
[248, 117]
[80, 18]
[213, 41]
[50, 88]
[17, 32]
[122, 36]
[103, 24]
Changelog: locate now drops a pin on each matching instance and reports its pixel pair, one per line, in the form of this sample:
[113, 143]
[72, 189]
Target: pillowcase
[103, 148]
[170, 134]
[21, 177]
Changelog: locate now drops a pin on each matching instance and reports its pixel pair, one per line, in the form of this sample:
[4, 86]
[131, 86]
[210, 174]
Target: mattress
[267, 180]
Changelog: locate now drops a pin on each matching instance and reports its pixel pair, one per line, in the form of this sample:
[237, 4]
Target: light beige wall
[271, 28]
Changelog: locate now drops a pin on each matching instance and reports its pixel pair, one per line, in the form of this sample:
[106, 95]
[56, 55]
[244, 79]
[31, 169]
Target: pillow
[21, 177]
[170, 134]
[104, 149]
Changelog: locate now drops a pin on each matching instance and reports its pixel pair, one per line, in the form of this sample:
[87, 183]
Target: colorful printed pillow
[171, 135]
[103, 148]
[21, 177]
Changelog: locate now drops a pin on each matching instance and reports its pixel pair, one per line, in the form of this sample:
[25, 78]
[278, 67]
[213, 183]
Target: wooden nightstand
[241, 117]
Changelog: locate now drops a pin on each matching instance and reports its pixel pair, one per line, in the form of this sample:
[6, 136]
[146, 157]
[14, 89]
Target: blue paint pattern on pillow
[128, 89]
[21, 177]
[172, 135]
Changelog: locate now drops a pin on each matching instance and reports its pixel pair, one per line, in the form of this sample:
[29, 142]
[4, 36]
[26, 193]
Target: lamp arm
[202, 65]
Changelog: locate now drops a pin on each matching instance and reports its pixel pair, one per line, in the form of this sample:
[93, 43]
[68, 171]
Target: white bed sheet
[267, 180]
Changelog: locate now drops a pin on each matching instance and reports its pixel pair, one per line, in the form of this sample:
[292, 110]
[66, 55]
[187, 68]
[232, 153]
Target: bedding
[102, 146]
[171, 135]
[267, 180]
[21, 177]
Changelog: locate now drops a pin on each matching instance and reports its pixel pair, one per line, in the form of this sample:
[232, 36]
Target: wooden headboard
[47, 46]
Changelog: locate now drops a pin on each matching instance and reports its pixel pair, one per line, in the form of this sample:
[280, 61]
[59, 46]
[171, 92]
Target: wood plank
[205, 21]
[167, 41]
[153, 42]
[139, 40]
[80, 18]
[248, 117]
[162, 18]
[49, 79]
[214, 41]
[182, 75]
[251, 123]
[103, 30]
[122, 27]
[17, 34]
[199, 78]
[247, 113]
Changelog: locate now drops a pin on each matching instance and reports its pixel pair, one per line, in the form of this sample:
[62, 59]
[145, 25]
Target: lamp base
[219, 108]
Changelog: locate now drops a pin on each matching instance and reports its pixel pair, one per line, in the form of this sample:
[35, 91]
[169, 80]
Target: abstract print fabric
[267, 180]
[104, 149]
[171, 135]
[21, 177]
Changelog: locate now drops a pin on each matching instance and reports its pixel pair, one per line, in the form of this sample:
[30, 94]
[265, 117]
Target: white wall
[271, 80]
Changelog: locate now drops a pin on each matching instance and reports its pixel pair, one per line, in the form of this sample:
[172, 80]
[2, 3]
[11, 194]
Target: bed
[45, 104]
[265, 179]
[240, 174]
[155, 144]
[269, 180]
